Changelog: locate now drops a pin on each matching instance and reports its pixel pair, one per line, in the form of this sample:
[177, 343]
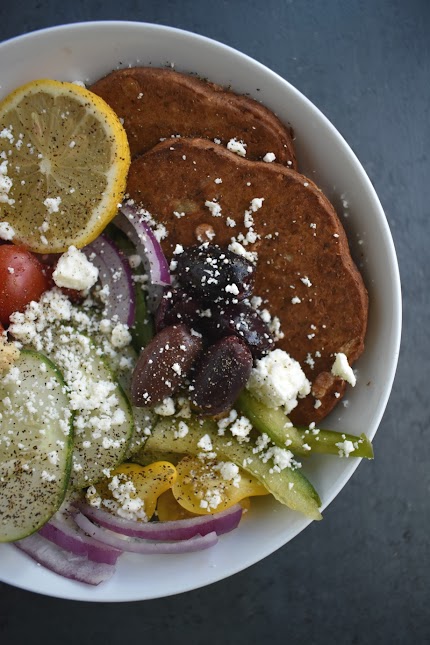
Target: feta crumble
[241, 428]
[166, 408]
[278, 380]
[120, 336]
[52, 204]
[214, 207]
[5, 184]
[269, 157]
[75, 271]
[342, 368]
[345, 448]
[239, 147]
[7, 233]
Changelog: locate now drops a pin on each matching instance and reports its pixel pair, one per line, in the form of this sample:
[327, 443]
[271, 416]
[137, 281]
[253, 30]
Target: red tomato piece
[22, 279]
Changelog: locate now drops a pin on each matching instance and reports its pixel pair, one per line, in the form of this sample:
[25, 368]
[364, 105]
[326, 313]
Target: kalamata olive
[163, 365]
[220, 375]
[243, 321]
[210, 272]
[176, 307]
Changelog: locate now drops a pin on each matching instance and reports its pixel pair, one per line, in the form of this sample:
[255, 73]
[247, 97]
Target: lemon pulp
[64, 158]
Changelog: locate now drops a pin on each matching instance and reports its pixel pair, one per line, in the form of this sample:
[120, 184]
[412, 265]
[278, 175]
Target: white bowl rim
[391, 361]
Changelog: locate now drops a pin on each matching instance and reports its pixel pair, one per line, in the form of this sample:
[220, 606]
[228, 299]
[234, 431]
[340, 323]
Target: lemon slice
[64, 158]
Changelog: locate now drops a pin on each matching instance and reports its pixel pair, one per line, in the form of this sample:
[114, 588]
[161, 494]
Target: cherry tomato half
[22, 279]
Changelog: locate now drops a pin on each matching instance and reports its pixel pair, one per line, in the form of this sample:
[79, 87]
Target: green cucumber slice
[103, 421]
[144, 419]
[275, 423]
[35, 445]
[290, 487]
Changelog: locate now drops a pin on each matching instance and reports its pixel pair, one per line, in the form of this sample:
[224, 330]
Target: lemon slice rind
[64, 158]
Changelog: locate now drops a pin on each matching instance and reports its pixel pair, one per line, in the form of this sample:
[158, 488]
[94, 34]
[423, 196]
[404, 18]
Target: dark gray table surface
[362, 575]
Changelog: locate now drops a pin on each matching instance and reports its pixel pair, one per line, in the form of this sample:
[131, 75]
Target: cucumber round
[144, 419]
[35, 445]
[103, 422]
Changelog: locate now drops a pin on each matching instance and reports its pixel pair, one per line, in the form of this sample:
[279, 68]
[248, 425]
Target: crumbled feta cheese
[342, 368]
[239, 147]
[120, 336]
[269, 157]
[278, 380]
[177, 369]
[7, 233]
[6, 184]
[345, 448]
[182, 430]
[229, 470]
[248, 220]
[166, 408]
[75, 271]
[7, 134]
[306, 281]
[265, 316]
[205, 443]
[232, 288]
[237, 248]
[127, 503]
[184, 408]
[214, 207]
[212, 499]
[105, 326]
[226, 421]
[241, 428]
[92, 497]
[282, 458]
[52, 204]
[256, 204]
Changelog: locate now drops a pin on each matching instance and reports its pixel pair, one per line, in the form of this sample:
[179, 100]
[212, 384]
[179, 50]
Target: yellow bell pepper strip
[201, 486]
[131, 486]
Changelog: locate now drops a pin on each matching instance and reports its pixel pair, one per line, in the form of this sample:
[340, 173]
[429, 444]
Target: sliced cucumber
[276, 424]
[35, 445]
[144, 419]
[103, 421]
[290, 487]
[273, 422]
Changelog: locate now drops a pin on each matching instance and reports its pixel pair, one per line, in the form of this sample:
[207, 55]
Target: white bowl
[88, 51]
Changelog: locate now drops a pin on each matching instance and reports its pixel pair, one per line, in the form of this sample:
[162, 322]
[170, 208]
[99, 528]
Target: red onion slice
[134, 545]
[146, 243]
[73, 567]
[219, 523]
[115, 272]
[63, 531]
